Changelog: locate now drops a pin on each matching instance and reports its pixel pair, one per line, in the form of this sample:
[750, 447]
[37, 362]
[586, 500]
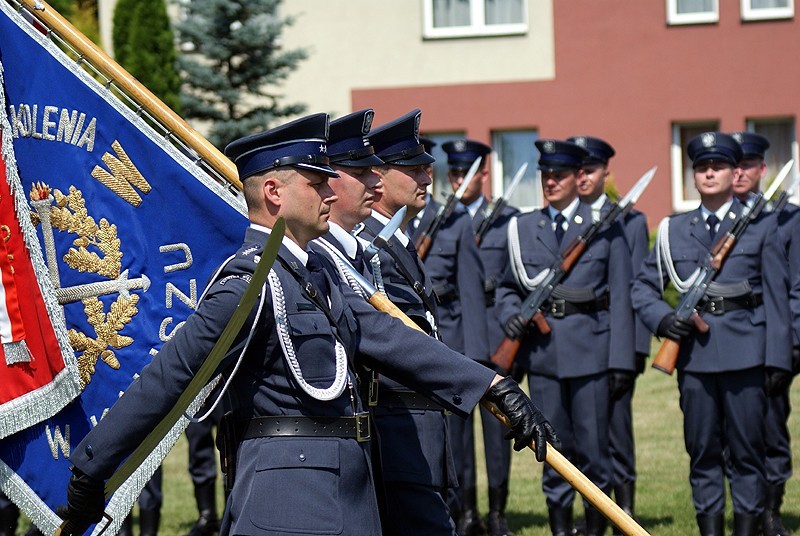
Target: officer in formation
[778, 466]
[726, 373]
[494, 258]
[591, 190]
[303, 451]
[456, 272]
[417, 460]
[203, 469]
[591, 326]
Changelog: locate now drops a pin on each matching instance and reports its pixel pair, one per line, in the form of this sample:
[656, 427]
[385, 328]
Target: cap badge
[417, 120]
[580, 140]
[367, 122]
[709, 140]
[323, 149]
[460, 146]
[549, 147]
[738, 137]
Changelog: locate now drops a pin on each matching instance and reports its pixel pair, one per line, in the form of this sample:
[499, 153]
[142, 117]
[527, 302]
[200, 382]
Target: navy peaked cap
[462, 153]
[599, 151]
[557, 155]
[348, 144]
[300, 143]
[714, 146]
[397, 142]
[428, 143]
[753, 145]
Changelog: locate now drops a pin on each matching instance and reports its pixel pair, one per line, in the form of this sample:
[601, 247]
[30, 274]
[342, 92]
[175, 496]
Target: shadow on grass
[521, 520]
[791, 521]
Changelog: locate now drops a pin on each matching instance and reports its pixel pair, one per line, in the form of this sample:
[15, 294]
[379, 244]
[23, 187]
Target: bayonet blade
[636, 191]
[385, 234]
[473, 170]
[779, 178]
[516, 180]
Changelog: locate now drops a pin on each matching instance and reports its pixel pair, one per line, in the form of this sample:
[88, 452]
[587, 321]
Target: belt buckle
[419, 288]
[558, 308]
[372, 400]
[716, 306]
[362, 426]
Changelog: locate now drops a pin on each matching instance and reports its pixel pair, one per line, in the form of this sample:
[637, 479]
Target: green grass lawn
[663, 500]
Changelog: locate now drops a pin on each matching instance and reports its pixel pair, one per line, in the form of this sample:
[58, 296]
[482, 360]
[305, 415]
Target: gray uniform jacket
[454, 265]
[579, 344]
[318, 485]
[738, 339]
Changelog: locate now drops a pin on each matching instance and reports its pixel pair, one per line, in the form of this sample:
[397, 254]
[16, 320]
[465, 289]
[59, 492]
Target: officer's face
[714, 178]
[403, 186]
[306, 199]
[748, 178]
[473, 191]
[357, 189]
[561, 187]
[591, 184]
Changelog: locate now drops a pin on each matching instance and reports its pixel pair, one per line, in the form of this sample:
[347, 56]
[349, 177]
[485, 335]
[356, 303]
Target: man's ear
[272, 190]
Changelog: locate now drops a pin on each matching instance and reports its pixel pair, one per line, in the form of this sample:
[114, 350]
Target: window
[782, 145]
[511, 150]
[692, 11]
[466, 18]
[767, 9]
[441, 186]
[684, 194]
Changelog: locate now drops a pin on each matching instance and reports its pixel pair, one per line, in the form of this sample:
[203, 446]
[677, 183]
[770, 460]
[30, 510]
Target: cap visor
[367, 161]
[327, 170]
[420, 159]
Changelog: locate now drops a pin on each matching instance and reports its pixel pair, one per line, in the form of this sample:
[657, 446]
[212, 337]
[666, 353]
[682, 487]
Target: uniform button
[302, 457]
[457, 400]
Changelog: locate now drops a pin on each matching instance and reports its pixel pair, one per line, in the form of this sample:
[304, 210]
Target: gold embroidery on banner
[107, 328]
[97, 249]
[123, 177]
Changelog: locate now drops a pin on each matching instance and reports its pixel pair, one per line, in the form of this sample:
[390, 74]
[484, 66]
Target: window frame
[766, 13]
[499, 172]
[674, 18]
[478, 28]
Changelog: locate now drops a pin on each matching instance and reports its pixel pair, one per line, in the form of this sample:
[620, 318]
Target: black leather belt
[356, 427]
[445, 293]
[407, 400]
[719, 306]
[558, 308]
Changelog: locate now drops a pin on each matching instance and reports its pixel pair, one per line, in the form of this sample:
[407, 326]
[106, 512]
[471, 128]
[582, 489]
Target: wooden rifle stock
[506, 353]
[667, 354]
[423, 244]
[572, 254]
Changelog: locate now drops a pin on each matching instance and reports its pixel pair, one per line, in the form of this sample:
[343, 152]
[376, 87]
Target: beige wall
[357, 44]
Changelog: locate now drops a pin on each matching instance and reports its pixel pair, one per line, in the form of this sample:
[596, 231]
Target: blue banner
[130, 231]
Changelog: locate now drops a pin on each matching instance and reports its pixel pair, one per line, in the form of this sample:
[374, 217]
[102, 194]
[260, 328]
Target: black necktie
[358, 261]
[712, 222]
[411, 248]
[559, 219]
[316, 274]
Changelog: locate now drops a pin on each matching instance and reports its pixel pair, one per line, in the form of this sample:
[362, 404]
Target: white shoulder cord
[340, 380]
[244, 349]
[344, 269]
[663, 252]
[515, 258]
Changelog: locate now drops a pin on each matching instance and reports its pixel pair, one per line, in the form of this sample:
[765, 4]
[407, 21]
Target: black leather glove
[675, 328]
[619, 383]
[776, 381]
[527, 422]
[795, 360]
[85, 503]
[516, 326]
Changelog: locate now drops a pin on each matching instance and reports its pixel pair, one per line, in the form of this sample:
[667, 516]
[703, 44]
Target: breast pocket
[313, 342]
[445, 247]
[286, 471]
[685, 260]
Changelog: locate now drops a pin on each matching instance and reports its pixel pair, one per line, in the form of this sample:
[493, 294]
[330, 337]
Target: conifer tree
[145, 46]
[234, 65]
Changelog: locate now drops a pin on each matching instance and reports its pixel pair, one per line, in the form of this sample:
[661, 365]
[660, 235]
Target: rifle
[667, 354]
[425, 238]
[491, 215]
[531, 308]
[386, 233]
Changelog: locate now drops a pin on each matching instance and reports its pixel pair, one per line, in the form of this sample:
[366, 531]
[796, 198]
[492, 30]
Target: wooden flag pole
[123, 79]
